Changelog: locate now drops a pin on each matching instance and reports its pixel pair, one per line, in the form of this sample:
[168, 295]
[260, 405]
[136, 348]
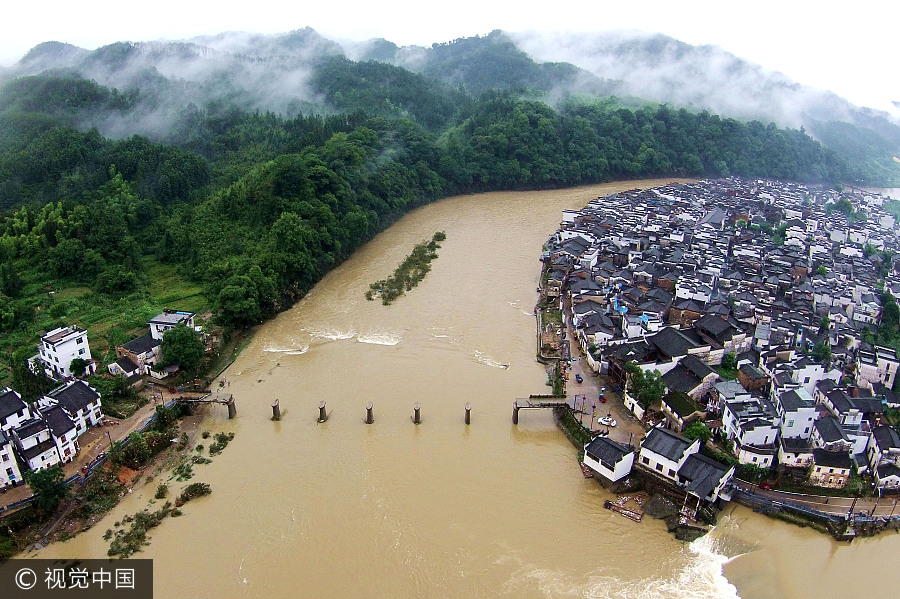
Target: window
[790, 423]
[754, 458]
[659, 467]
[81, 352]
[9, 473]
[80, 340]
[5, 457]
[671, 472]
[646, 460]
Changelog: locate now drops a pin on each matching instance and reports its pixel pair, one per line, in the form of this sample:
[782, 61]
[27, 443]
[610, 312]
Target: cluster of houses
[39, 435]
[45, 433]
[783, 282]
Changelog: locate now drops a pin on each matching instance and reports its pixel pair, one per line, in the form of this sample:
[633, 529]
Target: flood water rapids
[344, 509]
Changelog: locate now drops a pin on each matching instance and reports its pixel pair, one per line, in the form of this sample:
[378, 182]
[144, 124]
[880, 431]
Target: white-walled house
[80, 401]
[59, 347]
[9, 468]
[13, 411]
[168, 319]
[796, 413]
[63, 432]
[673, 457]
[664, 452]
[35, 444]
[611, 460]
[753, 426]
[830, 469]
[795, 452]
[142, 352]
[883, 455]
[878, 365]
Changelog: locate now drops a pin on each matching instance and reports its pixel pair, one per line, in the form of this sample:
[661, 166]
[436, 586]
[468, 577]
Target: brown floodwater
[345, 509]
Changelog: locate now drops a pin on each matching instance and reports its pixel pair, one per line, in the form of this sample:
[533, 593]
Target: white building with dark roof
[10, 475]
[753, 426]
[611, 460]
[678, 459]
[63, 432]
[13, 411]
[80, 401]
[883, 455]
[168, 319]
[35, 444]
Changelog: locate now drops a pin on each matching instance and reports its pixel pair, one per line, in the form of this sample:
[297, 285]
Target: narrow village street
[595, 398]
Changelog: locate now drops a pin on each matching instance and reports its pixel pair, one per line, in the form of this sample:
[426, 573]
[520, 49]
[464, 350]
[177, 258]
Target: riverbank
[97, 485]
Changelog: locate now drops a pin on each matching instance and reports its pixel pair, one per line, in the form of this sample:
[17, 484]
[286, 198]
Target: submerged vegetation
[410, 272]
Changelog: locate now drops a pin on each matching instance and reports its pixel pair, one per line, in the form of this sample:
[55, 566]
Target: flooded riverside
[391, 509]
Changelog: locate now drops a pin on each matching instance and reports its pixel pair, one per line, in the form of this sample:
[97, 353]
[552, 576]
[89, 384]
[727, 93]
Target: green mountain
[247, 166]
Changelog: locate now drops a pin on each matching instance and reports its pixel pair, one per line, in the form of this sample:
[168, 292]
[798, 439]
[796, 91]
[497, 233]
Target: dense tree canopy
[181, 345]
[256, 207]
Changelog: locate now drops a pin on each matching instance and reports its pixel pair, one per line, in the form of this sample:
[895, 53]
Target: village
[737, 322]
[65, 426]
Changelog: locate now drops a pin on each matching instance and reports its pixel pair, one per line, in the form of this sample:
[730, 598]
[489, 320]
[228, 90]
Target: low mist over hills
[249, 165]
[272, 72]
[158, 89]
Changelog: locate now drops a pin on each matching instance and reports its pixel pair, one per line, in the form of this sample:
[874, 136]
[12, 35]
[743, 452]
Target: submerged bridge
[226, 399]
[538, 401]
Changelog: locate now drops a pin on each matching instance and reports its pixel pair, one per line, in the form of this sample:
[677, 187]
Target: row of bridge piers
[519, 404]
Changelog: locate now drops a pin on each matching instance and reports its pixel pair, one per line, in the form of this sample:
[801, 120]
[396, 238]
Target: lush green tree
[10, 282]
[824, 325]
[698, 430]
[66, 258]
[645, 386]
[890, 317]
[729, 361]
[822, 352]
[28, 383]
[133, 452]
[49, 488]
[116, 280]
[183, 346]
[78, 366]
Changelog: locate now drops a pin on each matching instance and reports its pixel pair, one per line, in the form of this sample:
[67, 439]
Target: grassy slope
[109, 321]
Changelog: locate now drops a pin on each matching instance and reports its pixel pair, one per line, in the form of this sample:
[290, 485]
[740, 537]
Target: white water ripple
[379, 338]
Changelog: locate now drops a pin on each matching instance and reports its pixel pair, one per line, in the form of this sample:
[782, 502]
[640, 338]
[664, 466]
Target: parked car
[579, 378]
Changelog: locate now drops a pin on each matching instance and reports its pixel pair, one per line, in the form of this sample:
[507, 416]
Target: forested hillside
[244, 211]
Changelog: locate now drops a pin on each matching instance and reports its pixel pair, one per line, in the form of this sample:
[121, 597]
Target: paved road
[840, 506]
[585, 397]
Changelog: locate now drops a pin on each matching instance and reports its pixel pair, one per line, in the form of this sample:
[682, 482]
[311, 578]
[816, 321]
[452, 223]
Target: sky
[849, 48]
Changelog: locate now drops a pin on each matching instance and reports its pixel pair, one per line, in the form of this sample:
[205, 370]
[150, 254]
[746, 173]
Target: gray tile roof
[666, 443]
[702, 474]
[74, 396]
[10, 403]
[142, 345]
[607, 452]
